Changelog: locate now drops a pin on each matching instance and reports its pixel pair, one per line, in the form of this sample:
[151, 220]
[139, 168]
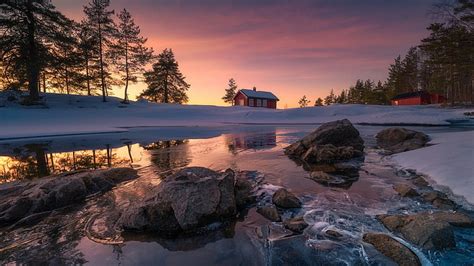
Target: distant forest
[443, 63]
[43, 50]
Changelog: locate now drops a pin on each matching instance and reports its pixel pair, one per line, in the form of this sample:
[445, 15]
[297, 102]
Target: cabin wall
[272, 104]
[239, 99]
[408, 101]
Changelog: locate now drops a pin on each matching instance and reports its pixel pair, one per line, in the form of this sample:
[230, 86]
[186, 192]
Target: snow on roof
[259, 94]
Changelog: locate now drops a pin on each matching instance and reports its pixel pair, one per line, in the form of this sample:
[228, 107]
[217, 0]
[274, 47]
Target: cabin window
[251, 103]
[264, 103]
[259, 103]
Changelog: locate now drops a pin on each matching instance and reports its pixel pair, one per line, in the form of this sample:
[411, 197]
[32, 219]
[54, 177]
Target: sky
[289, 47]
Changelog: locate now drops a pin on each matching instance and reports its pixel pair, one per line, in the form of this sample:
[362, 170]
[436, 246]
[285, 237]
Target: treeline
[43, 50]
[443, 63]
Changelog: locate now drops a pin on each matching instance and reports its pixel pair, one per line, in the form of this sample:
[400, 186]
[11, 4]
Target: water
[79, 234]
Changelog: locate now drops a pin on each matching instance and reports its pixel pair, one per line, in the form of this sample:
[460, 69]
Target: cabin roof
[259, 94]
[411, 95]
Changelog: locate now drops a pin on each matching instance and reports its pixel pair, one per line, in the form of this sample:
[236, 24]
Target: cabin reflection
[244, 141]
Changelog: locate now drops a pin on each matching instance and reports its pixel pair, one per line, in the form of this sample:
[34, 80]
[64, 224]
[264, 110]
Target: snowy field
[449, 162]
[64, 115]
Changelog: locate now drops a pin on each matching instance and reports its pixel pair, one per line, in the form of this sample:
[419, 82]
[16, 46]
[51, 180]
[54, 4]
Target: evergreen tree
[102, 26]
[129, 53]
[318, 102]
[165, 82]
[395, 77]
[230, 92]
[330, 99]
[304, 102]
[87, 49]
[28, 29]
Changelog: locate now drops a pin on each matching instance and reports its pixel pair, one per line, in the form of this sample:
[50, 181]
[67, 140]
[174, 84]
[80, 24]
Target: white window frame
[259, 102]
[265, 103]
[251, 102]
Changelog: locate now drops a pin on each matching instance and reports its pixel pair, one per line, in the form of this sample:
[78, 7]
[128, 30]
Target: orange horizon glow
[291, 49]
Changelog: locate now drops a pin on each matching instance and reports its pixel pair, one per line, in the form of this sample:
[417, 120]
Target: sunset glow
[290, 48]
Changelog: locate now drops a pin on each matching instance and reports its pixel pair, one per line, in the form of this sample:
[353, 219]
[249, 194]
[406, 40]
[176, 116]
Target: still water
[64, 237]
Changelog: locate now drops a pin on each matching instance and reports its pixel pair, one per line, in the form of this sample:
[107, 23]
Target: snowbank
[75, 114]
[449, 162]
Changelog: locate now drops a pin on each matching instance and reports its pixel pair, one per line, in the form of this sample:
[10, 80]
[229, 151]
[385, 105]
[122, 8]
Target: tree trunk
[44, 82]
[125, 99]
[166, 100]
[33, 62]
[88, 76]
[102, 79]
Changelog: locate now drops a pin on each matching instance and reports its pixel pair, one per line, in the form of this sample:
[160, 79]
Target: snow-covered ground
[87, 114]
[449, 162]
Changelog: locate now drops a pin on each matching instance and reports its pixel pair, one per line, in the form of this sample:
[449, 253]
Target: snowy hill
[74, 114]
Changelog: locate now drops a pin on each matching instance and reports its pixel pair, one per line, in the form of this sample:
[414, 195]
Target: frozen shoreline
[73, 114]
[449, 161]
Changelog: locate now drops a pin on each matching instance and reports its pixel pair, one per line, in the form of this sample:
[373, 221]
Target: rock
[331, 142]
[188, 200]
[405, 190]
[269, 212]
[439, 200]
[333, 233]
[296, 224]
[391, 248]
[24, 199]
[428, 230]
[244, 192]
[396, 140]
[285, 199]
[333, 180]
[420, 182]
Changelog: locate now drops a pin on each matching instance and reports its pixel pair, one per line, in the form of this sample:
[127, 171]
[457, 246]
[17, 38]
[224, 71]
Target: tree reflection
[34, 160]
[169, 154]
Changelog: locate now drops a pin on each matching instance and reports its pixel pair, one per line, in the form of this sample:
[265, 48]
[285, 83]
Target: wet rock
[194, 197]
[333, 141]
[405, 190]
[243, 193]
[269, 212]
[428, 230]
[439, 200]
[392, 249]
[296, 224]
[41, 195]
[420, 182]
[396, 140]
[333, 233]
[333, 180]
[285, 199]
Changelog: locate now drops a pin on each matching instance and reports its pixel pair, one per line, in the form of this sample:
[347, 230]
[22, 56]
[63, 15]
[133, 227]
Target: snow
[449, 161]
[74, 114]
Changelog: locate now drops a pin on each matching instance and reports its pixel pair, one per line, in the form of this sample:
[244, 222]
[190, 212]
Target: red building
[418, 98]
[256, 98]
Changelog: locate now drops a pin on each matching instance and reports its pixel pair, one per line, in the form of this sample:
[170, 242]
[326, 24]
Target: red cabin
[254, 98]
[418, 98]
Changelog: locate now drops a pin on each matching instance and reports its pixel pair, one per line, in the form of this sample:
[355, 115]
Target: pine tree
[303, 102]
[129, 53]
[102, 26]
[165, 82]
[230, 92]
[87, 49]
[330, 99]
[28, 28]
[318, 102]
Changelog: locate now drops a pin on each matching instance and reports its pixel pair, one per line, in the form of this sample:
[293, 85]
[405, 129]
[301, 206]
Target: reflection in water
[255, 142]
[35, 160]
[167, 155]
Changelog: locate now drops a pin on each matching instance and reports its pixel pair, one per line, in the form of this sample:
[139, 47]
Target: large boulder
[433, 231]
[392, 249]
[22, 199]
[395, 140]
[188, 200]
[331, 142]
